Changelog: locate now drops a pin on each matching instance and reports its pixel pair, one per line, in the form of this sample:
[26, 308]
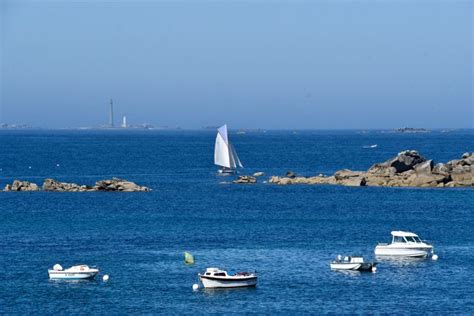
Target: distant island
[15, 126]
[411, 130]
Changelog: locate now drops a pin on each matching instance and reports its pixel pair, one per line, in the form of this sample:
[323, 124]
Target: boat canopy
[399, 233]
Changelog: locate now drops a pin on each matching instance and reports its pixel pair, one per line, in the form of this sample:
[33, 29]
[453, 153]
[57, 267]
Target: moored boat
[214, 278]
[404, 244]
[79, 272]
[353, 263]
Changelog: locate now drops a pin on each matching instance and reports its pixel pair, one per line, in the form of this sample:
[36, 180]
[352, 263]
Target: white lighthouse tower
[124, 122]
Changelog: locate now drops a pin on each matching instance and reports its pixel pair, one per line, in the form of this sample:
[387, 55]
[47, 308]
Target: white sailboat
[225, 155]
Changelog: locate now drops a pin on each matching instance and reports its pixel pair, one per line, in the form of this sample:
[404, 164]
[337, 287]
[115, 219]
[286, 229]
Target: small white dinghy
[215, 278]
[404, 244]
[79, 272]
[353, 263]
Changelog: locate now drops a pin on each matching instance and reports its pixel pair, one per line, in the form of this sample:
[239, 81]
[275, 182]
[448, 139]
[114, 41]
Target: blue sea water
[287, 233]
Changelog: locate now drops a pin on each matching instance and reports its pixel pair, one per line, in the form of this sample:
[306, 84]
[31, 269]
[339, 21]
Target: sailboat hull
[227, 171]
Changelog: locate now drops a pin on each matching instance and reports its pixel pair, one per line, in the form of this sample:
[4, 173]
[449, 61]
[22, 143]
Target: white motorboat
[215, 278]
[405, 244]
[353, 263]
[79, 272]
[225, 155]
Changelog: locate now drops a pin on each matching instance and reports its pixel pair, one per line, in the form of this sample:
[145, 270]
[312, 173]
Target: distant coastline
[241, 131]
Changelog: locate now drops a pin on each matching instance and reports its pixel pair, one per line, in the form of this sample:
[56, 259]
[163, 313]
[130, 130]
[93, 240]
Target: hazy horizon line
[212, 128]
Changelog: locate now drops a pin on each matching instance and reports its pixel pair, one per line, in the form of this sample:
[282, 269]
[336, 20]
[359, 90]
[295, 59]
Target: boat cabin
[399, 237]
[349, 259]
[215, 272]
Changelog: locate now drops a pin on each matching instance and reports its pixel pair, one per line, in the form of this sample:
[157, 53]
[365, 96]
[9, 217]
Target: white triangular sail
[221, 152]
[234, 155]
[224, 152]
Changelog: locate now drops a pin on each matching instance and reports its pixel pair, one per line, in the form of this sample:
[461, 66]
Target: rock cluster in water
[18, 185]
[246, 179]
[112, 185]
[407, 169]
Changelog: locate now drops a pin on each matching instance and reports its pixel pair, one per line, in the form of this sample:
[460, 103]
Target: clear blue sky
[269, 64]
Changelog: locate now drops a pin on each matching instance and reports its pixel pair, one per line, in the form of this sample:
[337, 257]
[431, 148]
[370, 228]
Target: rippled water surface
[287, 233]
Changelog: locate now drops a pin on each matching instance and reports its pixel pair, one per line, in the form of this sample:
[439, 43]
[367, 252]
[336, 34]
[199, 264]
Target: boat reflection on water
[352, 273]
[225, 291]
[396, 261]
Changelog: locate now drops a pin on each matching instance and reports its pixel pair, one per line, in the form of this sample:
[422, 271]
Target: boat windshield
[417, 239]
[410, 239]
[398, 239]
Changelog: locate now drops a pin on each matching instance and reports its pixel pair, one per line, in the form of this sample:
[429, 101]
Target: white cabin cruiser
[404, 244]
[225, 155]
[215, 278]
[79, 272]
[352, 263]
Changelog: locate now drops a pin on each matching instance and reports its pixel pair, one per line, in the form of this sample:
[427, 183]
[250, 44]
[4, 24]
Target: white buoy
[29, 167]
[434, 257]
[105, 278]
[374, 269]
[57, 165]
[195, 287]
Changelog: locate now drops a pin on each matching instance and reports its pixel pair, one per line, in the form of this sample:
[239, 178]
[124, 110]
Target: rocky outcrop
[290, 174]
[116, 184]
[246, 179]
[19, 185]
[52, 185]
[404, 161]
[407, 169]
